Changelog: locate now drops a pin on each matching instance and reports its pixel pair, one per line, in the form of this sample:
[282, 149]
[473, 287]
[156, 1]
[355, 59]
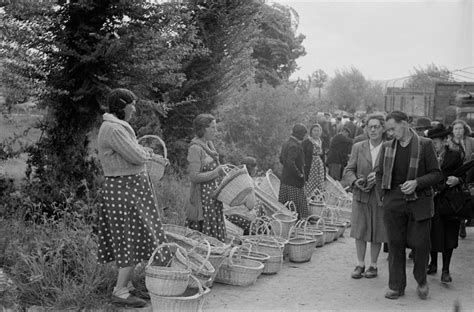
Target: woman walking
[445, 224]
[367, 213]
[129, 224]
[293, 177]
[462, 142]
[204, 212]
[314, 167]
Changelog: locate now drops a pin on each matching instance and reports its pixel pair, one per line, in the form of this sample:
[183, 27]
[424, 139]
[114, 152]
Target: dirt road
[325, 284]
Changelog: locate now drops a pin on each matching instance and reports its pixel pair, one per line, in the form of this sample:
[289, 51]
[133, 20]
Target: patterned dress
[213, 210]
[129, 225]
[316, 174]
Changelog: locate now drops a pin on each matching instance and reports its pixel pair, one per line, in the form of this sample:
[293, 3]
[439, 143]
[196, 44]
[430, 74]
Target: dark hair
[117, 99]
[249, 162]
[338, 118]
[398, 116]
[316, 125]
[201, 123]
[379, 117]
[299, 131]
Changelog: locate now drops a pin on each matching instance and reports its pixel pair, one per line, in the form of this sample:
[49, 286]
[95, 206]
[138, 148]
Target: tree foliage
[349, 91]
[425, 78]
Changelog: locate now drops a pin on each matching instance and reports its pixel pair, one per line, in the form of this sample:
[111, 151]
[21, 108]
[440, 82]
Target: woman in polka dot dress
[204, 211]
[129, 224]
[314, 167]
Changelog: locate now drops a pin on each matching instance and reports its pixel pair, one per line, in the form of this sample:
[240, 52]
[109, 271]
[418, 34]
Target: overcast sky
[385, 39]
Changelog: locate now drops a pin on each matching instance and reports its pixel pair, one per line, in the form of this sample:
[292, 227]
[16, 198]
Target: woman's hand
[452, 181]
[160, 159]
[220, 170]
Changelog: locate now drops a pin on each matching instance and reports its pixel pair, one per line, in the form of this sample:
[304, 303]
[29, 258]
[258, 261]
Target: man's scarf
[389, 160]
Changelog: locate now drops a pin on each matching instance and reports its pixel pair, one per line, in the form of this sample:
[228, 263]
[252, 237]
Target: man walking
[407, 171]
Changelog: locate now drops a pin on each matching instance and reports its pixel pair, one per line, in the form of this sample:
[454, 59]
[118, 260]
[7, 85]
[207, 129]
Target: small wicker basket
[300, 248]
[156, 167]
[237, 271]
[167, 281]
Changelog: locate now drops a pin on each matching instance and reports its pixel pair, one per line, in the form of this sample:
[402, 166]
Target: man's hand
[452, 181]
[409, 187]
[371, 178]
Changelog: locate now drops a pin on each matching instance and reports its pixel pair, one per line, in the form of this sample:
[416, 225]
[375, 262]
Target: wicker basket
[272, 246]
[167, 281]
[300, 248]
[191, 239]
[235, 187]
[303, 230]
[247, 253]
[272, 205]
[156, 168]
[199, 265]
[237, 271]
[191, 300]
[330, 233]
[270, 184]
[281, 224]
[232, 229]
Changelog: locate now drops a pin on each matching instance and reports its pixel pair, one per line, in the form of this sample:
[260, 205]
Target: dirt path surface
[325, 284]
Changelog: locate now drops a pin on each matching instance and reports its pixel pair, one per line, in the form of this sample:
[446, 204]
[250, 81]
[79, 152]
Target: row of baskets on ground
[199, 260]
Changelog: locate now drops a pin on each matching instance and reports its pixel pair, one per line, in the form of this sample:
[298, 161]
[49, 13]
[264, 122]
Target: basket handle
[207, 256]
[151, 136]
[231, 255]
[198, 282]
[280, 224]
[185, 253]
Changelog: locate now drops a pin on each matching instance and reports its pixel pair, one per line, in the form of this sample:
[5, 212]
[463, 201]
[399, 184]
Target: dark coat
[429, 174]
[292, 159]
[308, 156]
[445, 195]
[339, 150]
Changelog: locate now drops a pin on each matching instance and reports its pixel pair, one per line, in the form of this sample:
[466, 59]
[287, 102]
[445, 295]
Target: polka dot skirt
[129, 224]
[316, 176]
[296, 195]
[213, 223]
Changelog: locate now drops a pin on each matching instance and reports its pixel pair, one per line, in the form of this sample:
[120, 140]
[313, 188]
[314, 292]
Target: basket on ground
[238, 271]
[235, 187]
[270, 184]
[301, 248]
[199, 265]
[281, 224]
[303, 229]
[167, 281]
[191, 300]
[156, 167]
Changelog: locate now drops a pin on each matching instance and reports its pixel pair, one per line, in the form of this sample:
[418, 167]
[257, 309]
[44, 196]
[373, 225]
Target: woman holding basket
[204, 212]
[129, 224]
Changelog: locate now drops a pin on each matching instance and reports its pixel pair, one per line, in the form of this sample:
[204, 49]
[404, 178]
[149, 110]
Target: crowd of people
[408, 184]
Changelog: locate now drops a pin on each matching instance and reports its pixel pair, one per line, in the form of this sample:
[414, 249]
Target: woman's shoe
[446, 277]
[394, 294]
[432, 269]
[131, 301]
[358, 272]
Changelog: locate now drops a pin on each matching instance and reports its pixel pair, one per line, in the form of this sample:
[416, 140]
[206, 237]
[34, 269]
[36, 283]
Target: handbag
[456, 201]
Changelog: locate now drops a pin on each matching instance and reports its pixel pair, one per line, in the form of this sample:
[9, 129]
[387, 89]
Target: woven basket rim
[231, 176]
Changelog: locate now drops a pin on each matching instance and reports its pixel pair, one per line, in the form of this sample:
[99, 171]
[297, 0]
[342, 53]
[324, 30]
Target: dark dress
[444, 225]
[292, 180]
[338, 155]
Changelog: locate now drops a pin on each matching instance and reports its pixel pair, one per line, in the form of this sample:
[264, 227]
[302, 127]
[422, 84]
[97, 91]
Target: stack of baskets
[235, 187]
[174, 288]
[239, 271]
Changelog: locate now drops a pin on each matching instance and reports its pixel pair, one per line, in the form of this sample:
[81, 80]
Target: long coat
[367, 213]
[292, 159]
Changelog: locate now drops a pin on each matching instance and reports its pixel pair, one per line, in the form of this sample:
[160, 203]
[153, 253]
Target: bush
[54, 264]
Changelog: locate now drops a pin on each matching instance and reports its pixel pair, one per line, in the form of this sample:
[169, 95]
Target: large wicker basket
[235, 187]
[238, 271]
[270, 184]
[156, 167]
[281, 224]
[192, 300]
[167, 281]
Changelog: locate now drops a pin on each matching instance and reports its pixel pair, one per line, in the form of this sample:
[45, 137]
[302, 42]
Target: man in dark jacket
[338, 155]
[407, 171]
[293, 177]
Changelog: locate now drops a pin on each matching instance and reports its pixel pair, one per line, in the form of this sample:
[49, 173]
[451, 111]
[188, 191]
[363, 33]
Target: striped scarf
[389, 160]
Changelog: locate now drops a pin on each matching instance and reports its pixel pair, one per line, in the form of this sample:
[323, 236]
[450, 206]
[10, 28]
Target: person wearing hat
[407, 171]
[445, 224]
[338, 155]
[293, 173]
[422, 124]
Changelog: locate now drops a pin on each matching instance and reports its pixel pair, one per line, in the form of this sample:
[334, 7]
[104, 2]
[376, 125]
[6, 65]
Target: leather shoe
[422, 291]
[358, 272]
[394, 294]
[371, 272]
[462, 230]
[131, 301]
[446, 277]
[142, 294]
[432, 269]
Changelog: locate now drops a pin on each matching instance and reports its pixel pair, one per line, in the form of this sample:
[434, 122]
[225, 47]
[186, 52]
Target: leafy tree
[347, 89]
[425, 78]
[318, 79]
[278, 46]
